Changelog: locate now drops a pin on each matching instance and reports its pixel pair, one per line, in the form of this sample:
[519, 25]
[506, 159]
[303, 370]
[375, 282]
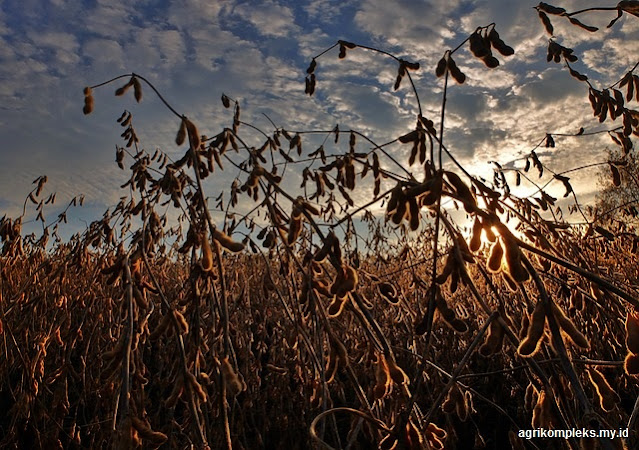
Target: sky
[257, 53]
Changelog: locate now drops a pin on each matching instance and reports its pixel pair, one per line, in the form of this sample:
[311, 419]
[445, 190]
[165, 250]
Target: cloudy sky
[257, 52]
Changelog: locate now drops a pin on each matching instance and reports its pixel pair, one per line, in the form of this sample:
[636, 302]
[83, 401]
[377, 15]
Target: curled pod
[389, 292]
[435, 436]
[336, 306]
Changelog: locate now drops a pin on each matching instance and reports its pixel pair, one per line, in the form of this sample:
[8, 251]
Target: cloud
[193, 51]
[269, 18]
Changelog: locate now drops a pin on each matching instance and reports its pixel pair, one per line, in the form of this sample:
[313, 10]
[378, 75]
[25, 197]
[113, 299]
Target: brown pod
[576, 300]
[181, 134]
[389, 292]
[453, 398]
[463, 192]
[233, 382]
[530, 345]
[542, 413]
[396, 372]
[631, 364]
[137, 90]
[161, 328]
[632, 332]
[458, 325]
[475, 240]
[193, 133]
[494, 339]
[441, 67]
[569, 328]
[294, 229]
[512, 284]
[413, 209]
[341, 352]
[336, 306]
[226, 242]
[529, 396]
[414, 438]
[111, 354]
[608, 398]
[207, 255]
[435, 436]
[88, 104]
[400, 212]
[512, 259]
[182, 323]
[435, 191]
[331, 367]
[494, 259]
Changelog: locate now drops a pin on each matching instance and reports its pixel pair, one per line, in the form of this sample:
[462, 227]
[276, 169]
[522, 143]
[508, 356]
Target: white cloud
[270, 18]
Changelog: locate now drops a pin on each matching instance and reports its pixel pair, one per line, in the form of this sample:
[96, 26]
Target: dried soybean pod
[530, 345]
[111, 354]
[608, 398]
[475, 240]
[494, 259]
[233, 382]
[396, 372]
[181, 134]
[632, 332]
[226, 242]
[331, 366]
[569, 327]
[512, 260]
[542, 412]
[182, 323]
[413, 209]
[389, 292]
[336, 307]
[463, 191]
[161, 328]
[193, 134]
[631, 364]
[494, 339]
[453, 398]
[207, 255]
[137, 89]
[197, 387]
